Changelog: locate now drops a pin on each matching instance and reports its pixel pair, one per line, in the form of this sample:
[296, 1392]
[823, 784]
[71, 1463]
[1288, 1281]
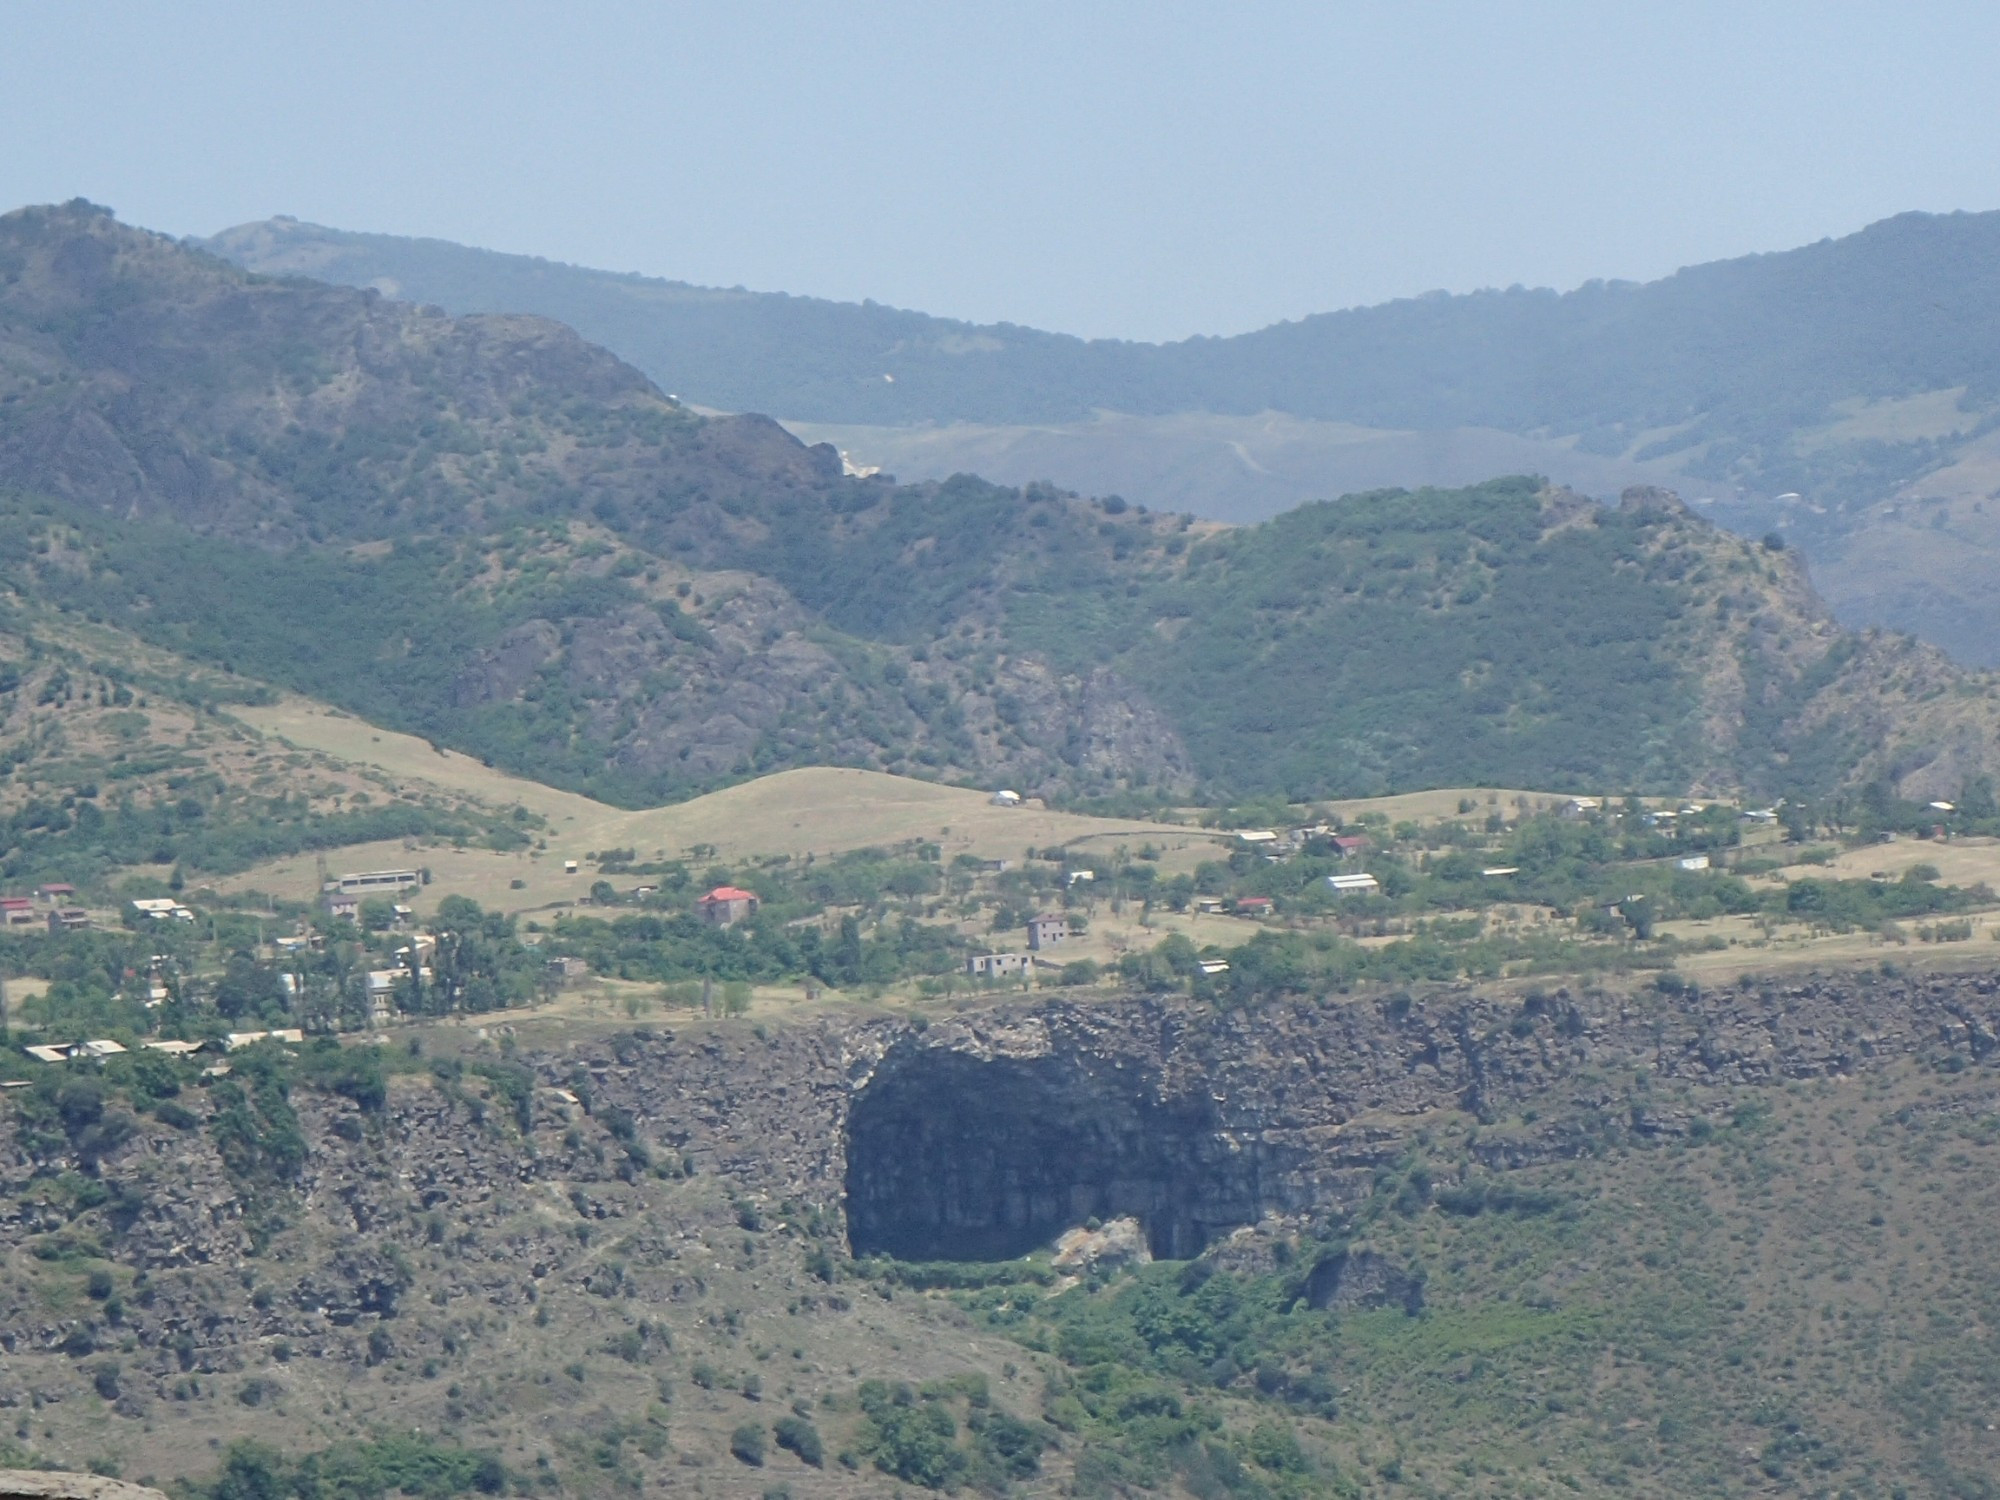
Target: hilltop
[489, 533]
[1842, 392]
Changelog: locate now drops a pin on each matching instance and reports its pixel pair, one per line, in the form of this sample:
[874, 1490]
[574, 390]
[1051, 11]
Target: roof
[729, 893]
[57, 889]
[16, 903]
[1243, 901]
[1050, 916]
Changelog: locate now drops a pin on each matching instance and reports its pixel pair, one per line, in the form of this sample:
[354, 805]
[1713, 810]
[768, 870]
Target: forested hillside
[492, 533]
[1844, 393]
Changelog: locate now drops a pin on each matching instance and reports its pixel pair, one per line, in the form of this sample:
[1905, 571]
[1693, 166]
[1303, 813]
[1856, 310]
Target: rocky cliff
[703, 1184]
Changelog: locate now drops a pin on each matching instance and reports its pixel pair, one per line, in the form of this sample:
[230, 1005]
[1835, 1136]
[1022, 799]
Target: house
[1047, 930]
[342, 904]
[382, 994]
[1350, 844]
[995, 866]
[568, 970]
[1579, 807]
[726, 905]
[172, 1049]
[996, 965]
[381, 880]
[1213, 966]
[17, 911]
[1501, 870]
[1210, 905]
[1256, 837]
[65, 1051]
[1254, 906]
[1075, 875]
[56, 895]
[1693, 862]
[162, 909]
[1006, 798]
[237, 1039]
[1345, 885]
[68, 919]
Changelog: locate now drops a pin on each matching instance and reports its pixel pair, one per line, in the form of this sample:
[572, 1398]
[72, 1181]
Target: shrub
[747, 1443]
[797, 1435]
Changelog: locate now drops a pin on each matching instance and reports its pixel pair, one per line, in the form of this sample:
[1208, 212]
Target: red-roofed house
[1253, 906]
[55, 895]
[726, 904]
[16, 911]
[1351, 843]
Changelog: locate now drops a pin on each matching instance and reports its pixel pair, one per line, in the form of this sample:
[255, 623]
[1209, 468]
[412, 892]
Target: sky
[1135, 170]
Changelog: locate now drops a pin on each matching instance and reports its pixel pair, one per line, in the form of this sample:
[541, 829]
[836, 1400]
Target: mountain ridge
[491, 533]
[1842, 393]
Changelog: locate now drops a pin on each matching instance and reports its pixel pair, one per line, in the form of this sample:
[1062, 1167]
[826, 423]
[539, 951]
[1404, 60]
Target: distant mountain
[490, 532]
[1846, 393]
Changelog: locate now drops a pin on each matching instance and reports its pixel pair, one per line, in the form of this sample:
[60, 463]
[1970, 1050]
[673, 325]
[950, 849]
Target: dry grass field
[818, 810]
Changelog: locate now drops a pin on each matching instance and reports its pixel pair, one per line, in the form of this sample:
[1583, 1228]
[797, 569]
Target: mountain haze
[1844, 393]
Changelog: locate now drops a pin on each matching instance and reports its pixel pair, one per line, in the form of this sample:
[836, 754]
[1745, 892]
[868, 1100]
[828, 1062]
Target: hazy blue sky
[1144, 170]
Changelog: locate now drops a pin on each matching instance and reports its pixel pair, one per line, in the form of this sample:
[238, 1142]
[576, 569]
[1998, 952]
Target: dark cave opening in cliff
[953, 1157]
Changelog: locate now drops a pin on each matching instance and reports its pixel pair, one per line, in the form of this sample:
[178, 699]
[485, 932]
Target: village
[1432, 887]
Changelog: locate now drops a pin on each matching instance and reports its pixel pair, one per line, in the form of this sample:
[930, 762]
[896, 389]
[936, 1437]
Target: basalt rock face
[990, 1133]
[983, 1135]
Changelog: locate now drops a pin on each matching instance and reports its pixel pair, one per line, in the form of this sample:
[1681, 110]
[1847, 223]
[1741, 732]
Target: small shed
[568, 970]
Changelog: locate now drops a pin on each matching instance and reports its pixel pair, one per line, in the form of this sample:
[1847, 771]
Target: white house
[1350, 884]
[996, 965]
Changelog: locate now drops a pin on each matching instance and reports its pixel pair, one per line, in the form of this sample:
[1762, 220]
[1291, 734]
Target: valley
[560, 944]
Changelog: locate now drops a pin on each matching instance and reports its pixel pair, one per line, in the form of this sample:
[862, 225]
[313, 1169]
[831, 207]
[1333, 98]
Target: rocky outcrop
[980, 1135]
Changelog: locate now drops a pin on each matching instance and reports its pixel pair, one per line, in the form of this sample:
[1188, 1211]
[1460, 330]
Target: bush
[747, 1443]
[797, 1435]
